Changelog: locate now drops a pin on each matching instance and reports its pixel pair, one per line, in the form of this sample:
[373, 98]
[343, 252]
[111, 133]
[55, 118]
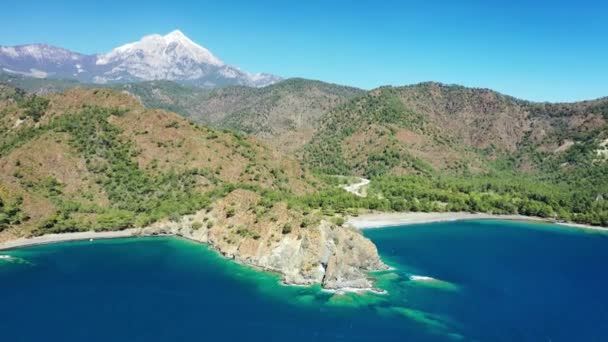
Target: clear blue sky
[535, 49]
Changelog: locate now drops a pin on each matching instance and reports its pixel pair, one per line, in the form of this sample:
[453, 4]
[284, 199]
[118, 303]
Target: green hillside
[432, 147]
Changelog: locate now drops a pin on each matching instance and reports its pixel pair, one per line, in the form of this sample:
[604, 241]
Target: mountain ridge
[436, 124]
[283, 114]
[289, 113]
[173, 56]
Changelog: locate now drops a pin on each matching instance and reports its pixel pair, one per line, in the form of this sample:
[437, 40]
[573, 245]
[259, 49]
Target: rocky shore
[336, 257]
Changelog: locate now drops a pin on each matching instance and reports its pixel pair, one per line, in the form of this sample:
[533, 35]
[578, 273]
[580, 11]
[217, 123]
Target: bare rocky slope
[96, 159]
[335, 257]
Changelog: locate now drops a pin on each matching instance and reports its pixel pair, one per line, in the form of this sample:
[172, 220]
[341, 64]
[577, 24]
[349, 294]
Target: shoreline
[373, 220]
[50, 239]
[385, 220]
[67, 237]
[361, 222]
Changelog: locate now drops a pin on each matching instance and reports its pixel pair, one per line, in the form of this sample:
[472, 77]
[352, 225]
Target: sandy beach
[364, 221]
[380, 220]
[54, 238]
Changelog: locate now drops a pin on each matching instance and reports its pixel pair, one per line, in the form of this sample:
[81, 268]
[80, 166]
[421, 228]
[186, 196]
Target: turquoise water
[485, 281]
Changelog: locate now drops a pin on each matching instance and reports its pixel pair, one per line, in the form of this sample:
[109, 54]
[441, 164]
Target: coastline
[138, 232]
[66, 237]
[373, 220]
[383, 220]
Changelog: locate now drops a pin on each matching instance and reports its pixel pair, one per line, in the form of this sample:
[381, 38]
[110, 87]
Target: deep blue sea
[468, 280]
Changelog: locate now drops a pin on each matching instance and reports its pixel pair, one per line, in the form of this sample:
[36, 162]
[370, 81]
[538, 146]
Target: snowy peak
[203, 55]
[162, 50]
[38, 52]
[41, 60]
[176, 35]
[173, 57]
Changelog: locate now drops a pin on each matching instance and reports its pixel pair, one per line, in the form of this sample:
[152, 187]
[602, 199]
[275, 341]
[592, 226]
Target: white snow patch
[229, 73]
[32, 73]
[9, 51]
[161, 51]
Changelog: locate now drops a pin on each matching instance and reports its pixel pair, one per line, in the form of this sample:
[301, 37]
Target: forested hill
[432, 147]
[429, 147]
[283, 114]
[431, 126]
[98, 159]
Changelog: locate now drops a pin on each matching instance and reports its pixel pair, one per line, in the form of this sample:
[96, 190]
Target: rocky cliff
[334, 256]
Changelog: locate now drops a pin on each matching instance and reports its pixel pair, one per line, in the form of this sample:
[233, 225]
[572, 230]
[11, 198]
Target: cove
[468, 280]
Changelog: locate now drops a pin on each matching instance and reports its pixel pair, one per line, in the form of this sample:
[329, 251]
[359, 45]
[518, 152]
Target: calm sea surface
[468, 280]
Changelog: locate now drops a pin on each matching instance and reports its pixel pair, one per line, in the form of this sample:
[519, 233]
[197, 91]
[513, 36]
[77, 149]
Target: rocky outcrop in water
[333, 256]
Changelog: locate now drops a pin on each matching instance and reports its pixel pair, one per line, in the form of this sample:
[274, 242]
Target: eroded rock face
[353, 256]
[323, 253]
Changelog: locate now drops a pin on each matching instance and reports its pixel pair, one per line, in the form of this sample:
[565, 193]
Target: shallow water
[482, 280]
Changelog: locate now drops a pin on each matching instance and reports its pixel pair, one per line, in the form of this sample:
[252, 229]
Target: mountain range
[170, 57]
[427, 146]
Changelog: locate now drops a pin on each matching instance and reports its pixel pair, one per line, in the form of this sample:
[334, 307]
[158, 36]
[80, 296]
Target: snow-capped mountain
[41, 60]
[170, 57]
